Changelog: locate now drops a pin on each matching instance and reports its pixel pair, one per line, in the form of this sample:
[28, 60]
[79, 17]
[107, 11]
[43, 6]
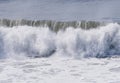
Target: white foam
[95, 42]
[60, 70]
[42, 42]
[28, 41]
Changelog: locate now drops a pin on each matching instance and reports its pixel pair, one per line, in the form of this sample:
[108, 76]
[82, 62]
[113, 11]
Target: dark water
[60, 9]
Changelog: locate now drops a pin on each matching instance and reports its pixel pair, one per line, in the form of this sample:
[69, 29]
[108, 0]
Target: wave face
[53, 25]
[32, 41]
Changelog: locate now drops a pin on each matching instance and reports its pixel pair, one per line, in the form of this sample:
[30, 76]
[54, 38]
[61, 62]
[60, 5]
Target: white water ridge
[42, 42]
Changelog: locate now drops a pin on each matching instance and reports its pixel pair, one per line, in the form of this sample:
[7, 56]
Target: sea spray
[32, 41]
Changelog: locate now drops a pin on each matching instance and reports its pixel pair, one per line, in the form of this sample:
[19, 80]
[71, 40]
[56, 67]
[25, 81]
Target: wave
[53, 25]
[46, 38]
[31, 41]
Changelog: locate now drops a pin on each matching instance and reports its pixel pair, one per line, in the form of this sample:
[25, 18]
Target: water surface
[60, 9]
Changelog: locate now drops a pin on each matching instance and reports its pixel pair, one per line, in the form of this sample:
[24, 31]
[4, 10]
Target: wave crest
[42, 42]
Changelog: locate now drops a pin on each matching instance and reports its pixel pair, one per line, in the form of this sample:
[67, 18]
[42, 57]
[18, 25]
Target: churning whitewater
[59, 41]
[30, 41]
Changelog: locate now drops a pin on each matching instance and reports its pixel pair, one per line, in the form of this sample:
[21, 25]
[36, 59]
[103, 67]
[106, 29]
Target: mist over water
[60, 9]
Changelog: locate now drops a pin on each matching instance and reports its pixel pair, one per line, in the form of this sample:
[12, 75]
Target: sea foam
[32, 41]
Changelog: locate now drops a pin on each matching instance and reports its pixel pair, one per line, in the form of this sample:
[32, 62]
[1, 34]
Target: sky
[60, 9]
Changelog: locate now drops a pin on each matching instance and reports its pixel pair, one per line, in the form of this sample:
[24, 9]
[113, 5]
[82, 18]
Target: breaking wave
[53, 25]
[41, 41]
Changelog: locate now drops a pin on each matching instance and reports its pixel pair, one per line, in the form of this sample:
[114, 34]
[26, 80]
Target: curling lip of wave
[53, 25]
[74, 42]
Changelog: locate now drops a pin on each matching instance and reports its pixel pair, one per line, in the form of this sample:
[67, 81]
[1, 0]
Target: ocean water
[60, 9]
[32, 41]
[32, 54]
[47, 41]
